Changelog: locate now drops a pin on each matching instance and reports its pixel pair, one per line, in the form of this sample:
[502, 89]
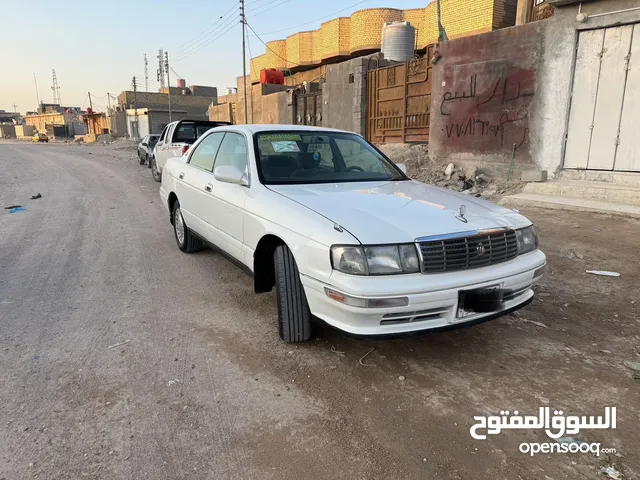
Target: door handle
[181, 176]
[208, 187]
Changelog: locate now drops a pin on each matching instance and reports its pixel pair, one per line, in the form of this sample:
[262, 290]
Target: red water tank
[271, 75]
[89, 111]
[182, 83]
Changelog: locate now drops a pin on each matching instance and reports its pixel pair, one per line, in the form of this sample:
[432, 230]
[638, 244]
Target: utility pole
[146, 73]
[442, 34]
[160, 68]
[37, 94]
[90, 104]
[135, 94]
[243, 20]
[166, 66]
[14, 108]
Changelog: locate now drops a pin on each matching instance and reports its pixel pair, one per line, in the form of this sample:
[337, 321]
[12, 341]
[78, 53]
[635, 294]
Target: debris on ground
[633, 366]
[11, 207]
[119, 344]
[106, 138]
[17, 209]
[569, 440]
[571, 254]
[603, 273]
[365, 356]
[611, 472]
[539, 324]
[35, 197]
[465, 179]
[401, 378]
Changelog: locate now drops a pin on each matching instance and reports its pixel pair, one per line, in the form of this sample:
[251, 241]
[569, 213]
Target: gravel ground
[203, 387]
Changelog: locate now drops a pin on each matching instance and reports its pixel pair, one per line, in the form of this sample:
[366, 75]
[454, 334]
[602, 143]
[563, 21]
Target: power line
[317, 19]
[255, 14]
[193, 40]
[270, 49]
[232, 24]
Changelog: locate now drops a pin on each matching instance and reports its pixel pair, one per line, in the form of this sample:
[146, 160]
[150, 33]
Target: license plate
[480, 300]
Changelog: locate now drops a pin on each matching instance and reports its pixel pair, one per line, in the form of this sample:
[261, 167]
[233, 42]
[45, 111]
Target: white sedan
[345, 236]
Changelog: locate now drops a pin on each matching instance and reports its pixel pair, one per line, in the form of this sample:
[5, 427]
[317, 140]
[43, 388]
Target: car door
[227, 210]
[159, 152]
[194, 185]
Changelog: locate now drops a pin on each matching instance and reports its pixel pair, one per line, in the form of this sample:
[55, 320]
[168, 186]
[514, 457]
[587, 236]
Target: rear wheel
[294, 316]
[149, 159]
[141, 158]
[186, 241]
[157, 176]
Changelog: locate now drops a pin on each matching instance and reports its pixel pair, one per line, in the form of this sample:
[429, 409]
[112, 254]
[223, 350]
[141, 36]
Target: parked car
[40, 137]
[345, 236]
[175, 140]
[145, 148]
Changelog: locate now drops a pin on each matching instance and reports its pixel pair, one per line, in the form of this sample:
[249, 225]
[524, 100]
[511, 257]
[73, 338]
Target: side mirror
[230, 174]
[402, 167]
[145, 144]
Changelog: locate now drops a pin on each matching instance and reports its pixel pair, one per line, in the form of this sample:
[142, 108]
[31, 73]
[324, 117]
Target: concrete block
[534, 176]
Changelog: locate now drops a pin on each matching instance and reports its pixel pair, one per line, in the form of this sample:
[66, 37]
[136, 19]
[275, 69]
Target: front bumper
[433, 299]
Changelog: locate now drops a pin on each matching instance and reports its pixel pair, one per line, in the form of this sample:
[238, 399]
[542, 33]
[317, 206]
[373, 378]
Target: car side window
[205, 153]
[233, 152]
[164, 134]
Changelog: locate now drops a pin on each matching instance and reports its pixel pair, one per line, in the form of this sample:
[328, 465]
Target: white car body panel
[312, 218]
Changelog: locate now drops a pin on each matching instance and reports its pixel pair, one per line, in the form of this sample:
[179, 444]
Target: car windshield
[304, 157]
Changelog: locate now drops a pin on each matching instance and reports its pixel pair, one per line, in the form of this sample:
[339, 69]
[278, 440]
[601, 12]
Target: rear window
[189, 132]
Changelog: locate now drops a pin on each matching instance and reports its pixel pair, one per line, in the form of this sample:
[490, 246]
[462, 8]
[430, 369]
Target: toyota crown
[344, 235]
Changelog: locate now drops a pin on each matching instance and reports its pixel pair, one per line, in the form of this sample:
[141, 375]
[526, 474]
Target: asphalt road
[123, 358]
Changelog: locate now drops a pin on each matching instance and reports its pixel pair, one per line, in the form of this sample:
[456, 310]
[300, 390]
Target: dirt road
[203, 388]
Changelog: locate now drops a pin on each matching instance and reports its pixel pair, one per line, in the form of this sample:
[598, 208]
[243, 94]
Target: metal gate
[307, 108]
[605, 101]
[399, 102]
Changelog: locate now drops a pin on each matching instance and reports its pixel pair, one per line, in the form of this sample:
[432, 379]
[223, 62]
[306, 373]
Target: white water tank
[398, 40]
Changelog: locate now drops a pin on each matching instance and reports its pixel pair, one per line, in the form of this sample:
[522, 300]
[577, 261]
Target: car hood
[398, 211]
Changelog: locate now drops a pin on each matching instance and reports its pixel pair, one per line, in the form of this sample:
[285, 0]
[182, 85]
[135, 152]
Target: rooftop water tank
[398, 40]
[182, 83]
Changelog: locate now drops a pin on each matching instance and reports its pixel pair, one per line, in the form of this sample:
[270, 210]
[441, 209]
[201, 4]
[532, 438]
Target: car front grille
[447, 254]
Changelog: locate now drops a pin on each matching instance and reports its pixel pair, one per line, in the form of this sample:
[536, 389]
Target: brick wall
[362, 31]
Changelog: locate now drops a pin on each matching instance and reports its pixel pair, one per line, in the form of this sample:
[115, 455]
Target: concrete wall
[555, 73]
[7, 130]
[483, 94]
[221, 113]
[345, 98]
[195, 106]
[25, 131]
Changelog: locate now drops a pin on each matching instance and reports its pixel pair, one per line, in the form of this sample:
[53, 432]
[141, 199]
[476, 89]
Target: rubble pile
[468, 180]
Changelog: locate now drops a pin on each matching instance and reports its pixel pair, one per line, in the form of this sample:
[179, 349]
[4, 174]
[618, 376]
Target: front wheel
[294, 316]
[149, 159]
[141, 158]
[186, 241]
[157, 176]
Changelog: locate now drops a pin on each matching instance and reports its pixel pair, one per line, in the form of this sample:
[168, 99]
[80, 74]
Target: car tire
[149, 159]
[294, 316]
[187, 242]
[157, 176]
[140, 158]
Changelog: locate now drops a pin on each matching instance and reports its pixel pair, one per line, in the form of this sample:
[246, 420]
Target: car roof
[254, 128]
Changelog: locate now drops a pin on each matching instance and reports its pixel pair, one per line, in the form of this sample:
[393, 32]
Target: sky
[98, 47]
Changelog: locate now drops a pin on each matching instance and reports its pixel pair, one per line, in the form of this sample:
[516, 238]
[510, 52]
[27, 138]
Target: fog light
[366, 302]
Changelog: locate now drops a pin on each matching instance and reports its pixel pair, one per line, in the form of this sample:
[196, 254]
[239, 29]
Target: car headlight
[375, 260]
[527, 239]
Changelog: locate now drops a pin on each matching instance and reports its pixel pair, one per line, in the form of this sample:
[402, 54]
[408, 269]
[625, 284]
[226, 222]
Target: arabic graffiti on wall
[487, 111]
